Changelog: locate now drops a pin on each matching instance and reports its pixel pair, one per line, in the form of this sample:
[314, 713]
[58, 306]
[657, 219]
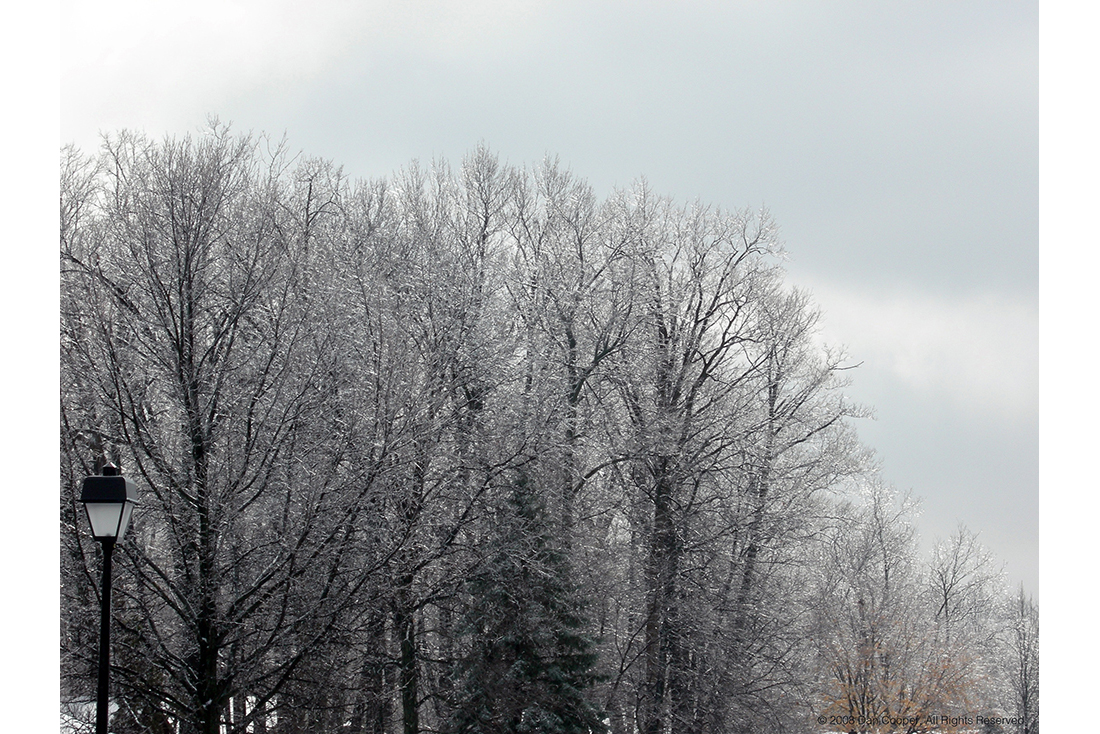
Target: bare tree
[574, 307]
[1022, 665]
[195, 326]
[962, 578]
[679, 381]
[750, 553]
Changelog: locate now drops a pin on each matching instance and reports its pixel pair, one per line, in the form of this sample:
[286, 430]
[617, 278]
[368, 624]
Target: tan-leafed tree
[883, 667]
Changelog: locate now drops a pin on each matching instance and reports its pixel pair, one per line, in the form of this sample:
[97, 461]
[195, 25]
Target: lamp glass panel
[104, 517]
[127, 511]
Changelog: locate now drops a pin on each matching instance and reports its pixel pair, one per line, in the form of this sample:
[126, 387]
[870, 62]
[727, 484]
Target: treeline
[473, 451]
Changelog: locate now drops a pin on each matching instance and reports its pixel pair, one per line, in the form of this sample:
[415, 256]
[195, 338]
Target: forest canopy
[472, 450]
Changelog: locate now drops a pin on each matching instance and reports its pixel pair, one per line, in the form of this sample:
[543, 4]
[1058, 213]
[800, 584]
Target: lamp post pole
[109, 500]
[102, 711]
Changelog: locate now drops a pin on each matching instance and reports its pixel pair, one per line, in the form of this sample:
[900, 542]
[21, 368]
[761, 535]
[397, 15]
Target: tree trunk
[404, 622]
[758, 489]
[369, 711]
[661, 583]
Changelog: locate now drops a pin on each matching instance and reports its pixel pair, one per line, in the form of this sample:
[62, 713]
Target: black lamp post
[109, 500]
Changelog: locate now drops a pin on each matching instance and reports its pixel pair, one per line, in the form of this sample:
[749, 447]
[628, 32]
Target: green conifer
[530, 662]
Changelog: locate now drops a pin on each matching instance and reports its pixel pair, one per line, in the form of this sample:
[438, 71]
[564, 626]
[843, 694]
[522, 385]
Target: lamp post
[109, 500]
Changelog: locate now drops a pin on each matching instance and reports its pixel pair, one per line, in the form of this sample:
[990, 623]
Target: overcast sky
[896, 143]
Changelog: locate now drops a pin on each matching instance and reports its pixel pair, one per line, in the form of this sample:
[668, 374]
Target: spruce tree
[530, 662]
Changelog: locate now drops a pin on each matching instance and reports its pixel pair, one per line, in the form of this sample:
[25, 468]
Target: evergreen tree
[529, 662]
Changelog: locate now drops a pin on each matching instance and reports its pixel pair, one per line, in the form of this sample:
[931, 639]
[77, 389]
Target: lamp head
[109, 500]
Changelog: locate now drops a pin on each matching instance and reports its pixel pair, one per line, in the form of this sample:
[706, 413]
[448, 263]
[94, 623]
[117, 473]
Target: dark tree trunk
[661, 583]
[404, 622]
[369, 712]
